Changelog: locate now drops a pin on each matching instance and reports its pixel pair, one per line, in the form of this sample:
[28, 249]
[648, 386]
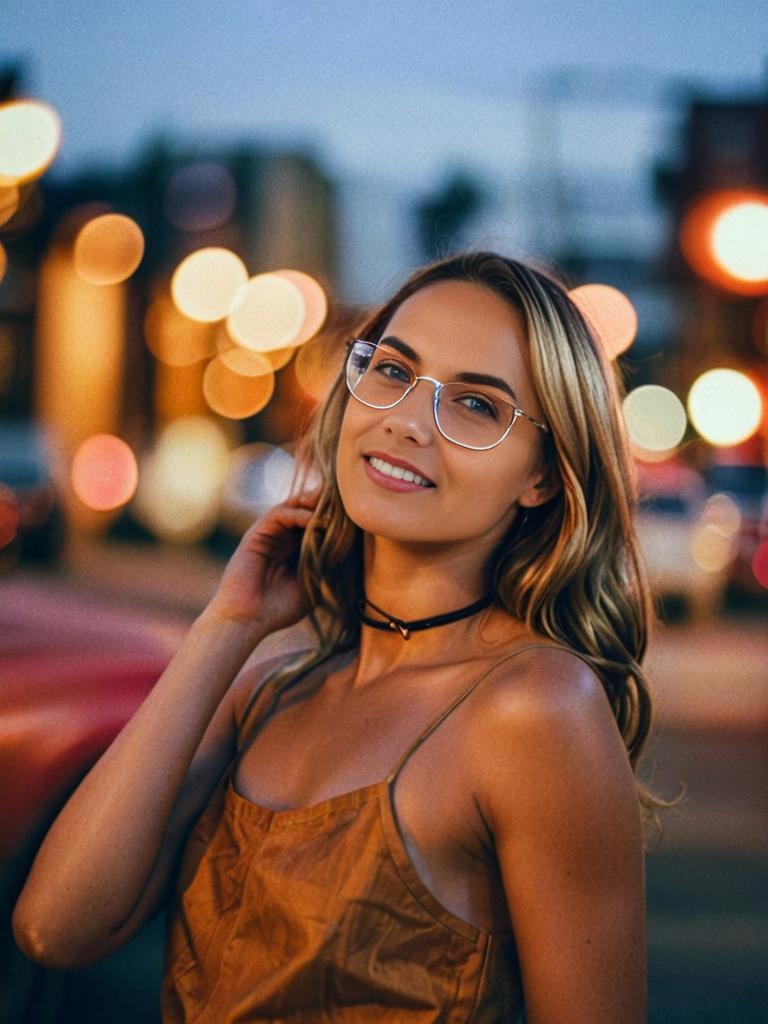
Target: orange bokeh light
[706, 240]
[231, 394]
[173, 338]
[3, 261]
[610, 313]
[315, 303]
[10, 198]
[108, 249]
[104, 472]
[246, 363]
[317, 365]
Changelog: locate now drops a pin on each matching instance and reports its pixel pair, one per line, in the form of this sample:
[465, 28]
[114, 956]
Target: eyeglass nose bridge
[437, 388]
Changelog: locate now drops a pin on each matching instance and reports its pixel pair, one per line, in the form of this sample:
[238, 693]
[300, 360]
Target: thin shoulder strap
[261, 692]
[463, 696]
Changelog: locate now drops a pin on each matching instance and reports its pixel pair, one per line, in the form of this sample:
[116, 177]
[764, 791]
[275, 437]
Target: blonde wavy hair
[572, 571]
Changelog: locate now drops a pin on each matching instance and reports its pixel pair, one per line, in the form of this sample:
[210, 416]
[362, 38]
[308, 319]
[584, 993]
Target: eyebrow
[467, 377]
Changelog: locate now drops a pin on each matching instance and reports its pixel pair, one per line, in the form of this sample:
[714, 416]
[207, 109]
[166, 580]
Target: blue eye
[480, 405]
[386, 365]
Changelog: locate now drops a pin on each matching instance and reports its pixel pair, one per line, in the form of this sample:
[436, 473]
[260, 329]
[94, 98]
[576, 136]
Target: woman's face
[453, 327]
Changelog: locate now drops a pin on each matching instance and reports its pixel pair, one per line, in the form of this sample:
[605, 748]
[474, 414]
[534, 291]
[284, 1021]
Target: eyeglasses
[469, 415]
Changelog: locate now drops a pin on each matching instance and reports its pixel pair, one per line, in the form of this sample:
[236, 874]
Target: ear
[542, 487]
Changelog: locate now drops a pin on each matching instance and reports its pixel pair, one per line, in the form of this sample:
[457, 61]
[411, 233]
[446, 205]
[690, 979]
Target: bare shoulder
[541, 681]
[553, 781]
[543, 718]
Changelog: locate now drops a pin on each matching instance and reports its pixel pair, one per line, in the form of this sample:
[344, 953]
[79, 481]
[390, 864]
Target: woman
[430, 813]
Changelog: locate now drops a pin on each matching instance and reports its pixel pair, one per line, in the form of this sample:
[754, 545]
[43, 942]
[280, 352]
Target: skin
[520, 809]
[425, 550]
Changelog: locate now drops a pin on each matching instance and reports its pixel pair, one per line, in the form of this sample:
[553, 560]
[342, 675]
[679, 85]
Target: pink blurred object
[72, 673]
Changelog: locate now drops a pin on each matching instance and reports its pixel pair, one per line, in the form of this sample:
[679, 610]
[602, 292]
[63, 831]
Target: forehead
[457, 326]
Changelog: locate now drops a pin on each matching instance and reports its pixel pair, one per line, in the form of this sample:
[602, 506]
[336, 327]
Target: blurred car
[746, 484]
[72, 672]
[685, 546]
[32, 522]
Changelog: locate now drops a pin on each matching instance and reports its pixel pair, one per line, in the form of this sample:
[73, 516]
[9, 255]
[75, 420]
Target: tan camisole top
[318, 915]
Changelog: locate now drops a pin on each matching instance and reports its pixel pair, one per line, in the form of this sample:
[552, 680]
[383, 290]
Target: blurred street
[707, 877]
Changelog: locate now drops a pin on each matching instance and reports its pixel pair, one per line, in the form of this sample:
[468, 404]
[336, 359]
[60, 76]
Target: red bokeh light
[104, 472]
[760, 564]
[696, 240]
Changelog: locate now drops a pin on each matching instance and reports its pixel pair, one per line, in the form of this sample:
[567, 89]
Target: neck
[419, 585]
[420, 581]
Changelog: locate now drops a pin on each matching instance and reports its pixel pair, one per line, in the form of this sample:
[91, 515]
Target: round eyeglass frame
[438, 386]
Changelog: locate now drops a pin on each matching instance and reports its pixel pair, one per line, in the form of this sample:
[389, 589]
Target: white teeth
[397, 472]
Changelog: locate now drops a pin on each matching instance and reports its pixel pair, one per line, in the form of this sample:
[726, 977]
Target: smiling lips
[395, 474]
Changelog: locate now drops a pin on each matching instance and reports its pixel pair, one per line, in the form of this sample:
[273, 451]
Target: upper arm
[557, 790]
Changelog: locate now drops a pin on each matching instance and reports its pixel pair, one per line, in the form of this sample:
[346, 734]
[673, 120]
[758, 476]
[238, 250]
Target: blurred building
[275, 209]
[568, 182]
[723, 148]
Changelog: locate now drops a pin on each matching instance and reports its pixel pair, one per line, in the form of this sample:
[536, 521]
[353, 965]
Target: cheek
[345, 449]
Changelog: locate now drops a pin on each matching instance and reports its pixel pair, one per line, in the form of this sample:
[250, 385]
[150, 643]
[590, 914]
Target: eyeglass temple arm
[541, 426]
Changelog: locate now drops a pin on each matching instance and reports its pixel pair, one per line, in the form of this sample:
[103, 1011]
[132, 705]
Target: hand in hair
[259, 586]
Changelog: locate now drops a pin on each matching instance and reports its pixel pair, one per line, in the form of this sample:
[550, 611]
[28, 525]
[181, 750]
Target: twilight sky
[373, 87]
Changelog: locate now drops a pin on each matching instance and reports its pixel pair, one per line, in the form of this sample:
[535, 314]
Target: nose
[414, 417]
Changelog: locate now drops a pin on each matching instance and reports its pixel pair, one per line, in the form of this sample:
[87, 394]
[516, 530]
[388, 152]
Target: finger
[308, 497]
[281, 518]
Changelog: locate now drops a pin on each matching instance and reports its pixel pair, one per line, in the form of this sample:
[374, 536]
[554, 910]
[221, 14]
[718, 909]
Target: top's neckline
[381, 792]
[350, 797]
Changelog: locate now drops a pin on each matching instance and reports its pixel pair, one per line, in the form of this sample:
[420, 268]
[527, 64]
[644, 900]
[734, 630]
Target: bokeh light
[260, 477]
[233, 395]
[740, 240]
[710, 550]
[108, 249]
[3, 261]
[10, 198]
[245, 362]
[205, 283]
[173, 338]
[200, 196]
[104, 472]
[723, 514]
[610, 313]
[279, 357]
[760, 564]
[315, 303]
[267, 313]
[9, 516]
[274, 359]
[655, 418]
[318, 363]
[725, 406]
[181, 480]
[279, 468]
[720, 243]
[30, 133]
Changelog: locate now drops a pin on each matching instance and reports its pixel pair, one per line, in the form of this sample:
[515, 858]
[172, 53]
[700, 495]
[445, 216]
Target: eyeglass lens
[466, 413]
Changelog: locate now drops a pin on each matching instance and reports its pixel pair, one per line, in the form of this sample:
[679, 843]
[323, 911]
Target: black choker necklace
[406, 628]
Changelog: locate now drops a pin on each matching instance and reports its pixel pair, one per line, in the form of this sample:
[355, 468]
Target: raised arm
[557, 791]
[105, 863]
